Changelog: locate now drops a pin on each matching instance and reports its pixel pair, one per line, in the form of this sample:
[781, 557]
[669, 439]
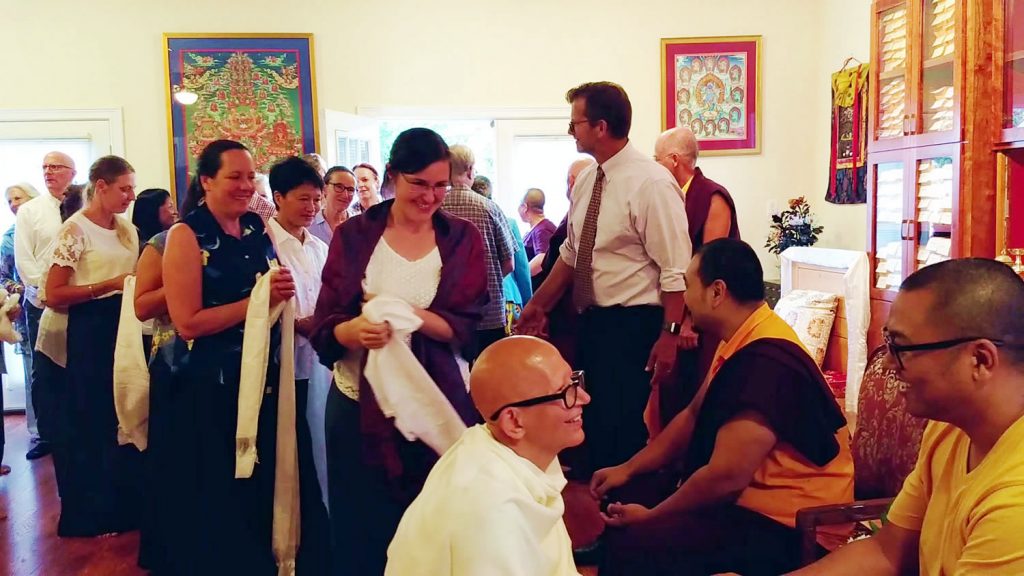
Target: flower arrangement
[792, 227]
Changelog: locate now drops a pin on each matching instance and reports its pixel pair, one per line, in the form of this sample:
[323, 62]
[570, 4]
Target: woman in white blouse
[405, 248]
[95, 250]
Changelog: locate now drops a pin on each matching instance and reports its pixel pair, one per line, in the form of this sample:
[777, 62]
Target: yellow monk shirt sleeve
[995, 536]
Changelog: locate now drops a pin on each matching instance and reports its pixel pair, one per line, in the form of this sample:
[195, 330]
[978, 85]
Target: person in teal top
[517, 286]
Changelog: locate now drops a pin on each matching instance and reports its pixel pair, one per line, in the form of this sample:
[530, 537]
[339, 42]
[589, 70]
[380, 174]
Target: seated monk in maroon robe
[762, 439]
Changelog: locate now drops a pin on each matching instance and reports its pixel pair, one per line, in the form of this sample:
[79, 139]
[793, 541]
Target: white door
[351, 139]
[534, 154]
[27, 136]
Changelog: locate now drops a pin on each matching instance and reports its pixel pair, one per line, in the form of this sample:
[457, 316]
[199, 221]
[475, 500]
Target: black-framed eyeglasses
[573, 123]
[896, 349]
[568, 396]
[339, 187]
[422, 186]
[55, 167]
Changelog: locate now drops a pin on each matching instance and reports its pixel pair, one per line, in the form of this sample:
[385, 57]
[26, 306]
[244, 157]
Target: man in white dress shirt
[624, 259]
[35, 232]
[493, 503]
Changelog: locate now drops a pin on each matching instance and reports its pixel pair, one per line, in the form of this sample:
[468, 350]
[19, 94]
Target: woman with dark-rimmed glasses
[409, 249]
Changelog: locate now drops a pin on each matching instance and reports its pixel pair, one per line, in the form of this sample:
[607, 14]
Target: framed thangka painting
[713, 86]
[258, 89]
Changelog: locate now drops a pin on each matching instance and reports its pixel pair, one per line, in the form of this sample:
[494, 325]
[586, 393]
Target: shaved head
[515, 368]
[59, 158]
[679, 140]
[534, 199]
[973, 297]
[528, 395]
[575, 168]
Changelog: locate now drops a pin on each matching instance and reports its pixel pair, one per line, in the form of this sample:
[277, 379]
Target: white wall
[845, 226]
[107, 53]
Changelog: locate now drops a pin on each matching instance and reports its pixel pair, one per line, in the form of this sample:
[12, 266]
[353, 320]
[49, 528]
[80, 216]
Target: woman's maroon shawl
[461, 295]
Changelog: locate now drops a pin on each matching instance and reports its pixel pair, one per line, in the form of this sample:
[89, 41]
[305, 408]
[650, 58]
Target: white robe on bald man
[485, 511]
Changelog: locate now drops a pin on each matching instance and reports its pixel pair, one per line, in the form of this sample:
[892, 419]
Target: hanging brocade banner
[847, 183]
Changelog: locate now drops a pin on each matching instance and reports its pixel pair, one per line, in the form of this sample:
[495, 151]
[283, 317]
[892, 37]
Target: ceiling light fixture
[184, 97]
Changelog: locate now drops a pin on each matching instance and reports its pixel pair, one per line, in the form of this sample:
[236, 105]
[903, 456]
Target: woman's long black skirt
[162, 494]
[102, 480]
[220, 524]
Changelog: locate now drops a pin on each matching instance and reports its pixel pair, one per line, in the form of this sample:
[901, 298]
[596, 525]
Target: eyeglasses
[55, 167]
[422, 186]
[567, 396]
[339, 187]
[573, 123]
[896, 349]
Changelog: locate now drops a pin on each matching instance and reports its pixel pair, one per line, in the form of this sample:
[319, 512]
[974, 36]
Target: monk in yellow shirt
[955, 334]
[762, 439]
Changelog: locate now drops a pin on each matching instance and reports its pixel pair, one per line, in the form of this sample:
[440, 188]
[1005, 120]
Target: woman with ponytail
[95, 250]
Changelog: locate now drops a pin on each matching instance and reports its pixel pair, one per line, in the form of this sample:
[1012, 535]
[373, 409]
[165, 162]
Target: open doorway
[25, 137]
[516, 149]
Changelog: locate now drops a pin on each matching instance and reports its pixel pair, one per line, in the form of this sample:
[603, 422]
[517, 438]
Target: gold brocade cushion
[887, 439]
[811, 314]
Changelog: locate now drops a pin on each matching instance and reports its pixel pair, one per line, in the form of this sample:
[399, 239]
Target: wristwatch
[673, 328]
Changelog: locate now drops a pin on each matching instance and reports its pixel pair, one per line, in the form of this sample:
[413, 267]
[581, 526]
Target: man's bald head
[58, 172]
[513, 369]
[575, 169]
[528, 395]
[681, 142]
[60, 158]
[534, 200]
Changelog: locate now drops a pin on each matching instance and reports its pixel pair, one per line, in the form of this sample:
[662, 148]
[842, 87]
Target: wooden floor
[29, 545]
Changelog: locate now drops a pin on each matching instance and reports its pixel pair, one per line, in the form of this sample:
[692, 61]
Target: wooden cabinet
[936, 111]
[1008, 27]
[918, 53]
[1010, 51]
[1010, 232]
[915, 196]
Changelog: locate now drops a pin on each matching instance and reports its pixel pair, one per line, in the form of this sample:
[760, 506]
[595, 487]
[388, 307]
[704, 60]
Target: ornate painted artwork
[258, 90]
[712, 85]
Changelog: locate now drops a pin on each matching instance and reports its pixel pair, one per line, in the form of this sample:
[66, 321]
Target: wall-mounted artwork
[258, 89]
[713, 86]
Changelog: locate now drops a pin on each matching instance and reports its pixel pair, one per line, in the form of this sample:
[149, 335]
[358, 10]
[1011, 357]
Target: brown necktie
[583, 273]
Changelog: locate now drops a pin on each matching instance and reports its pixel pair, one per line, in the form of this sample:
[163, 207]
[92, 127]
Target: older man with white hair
[38, 222]
[710, 209]
[711, 214]
[499, 243]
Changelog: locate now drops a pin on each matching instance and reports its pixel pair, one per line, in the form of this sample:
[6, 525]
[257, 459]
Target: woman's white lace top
[388, 272]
